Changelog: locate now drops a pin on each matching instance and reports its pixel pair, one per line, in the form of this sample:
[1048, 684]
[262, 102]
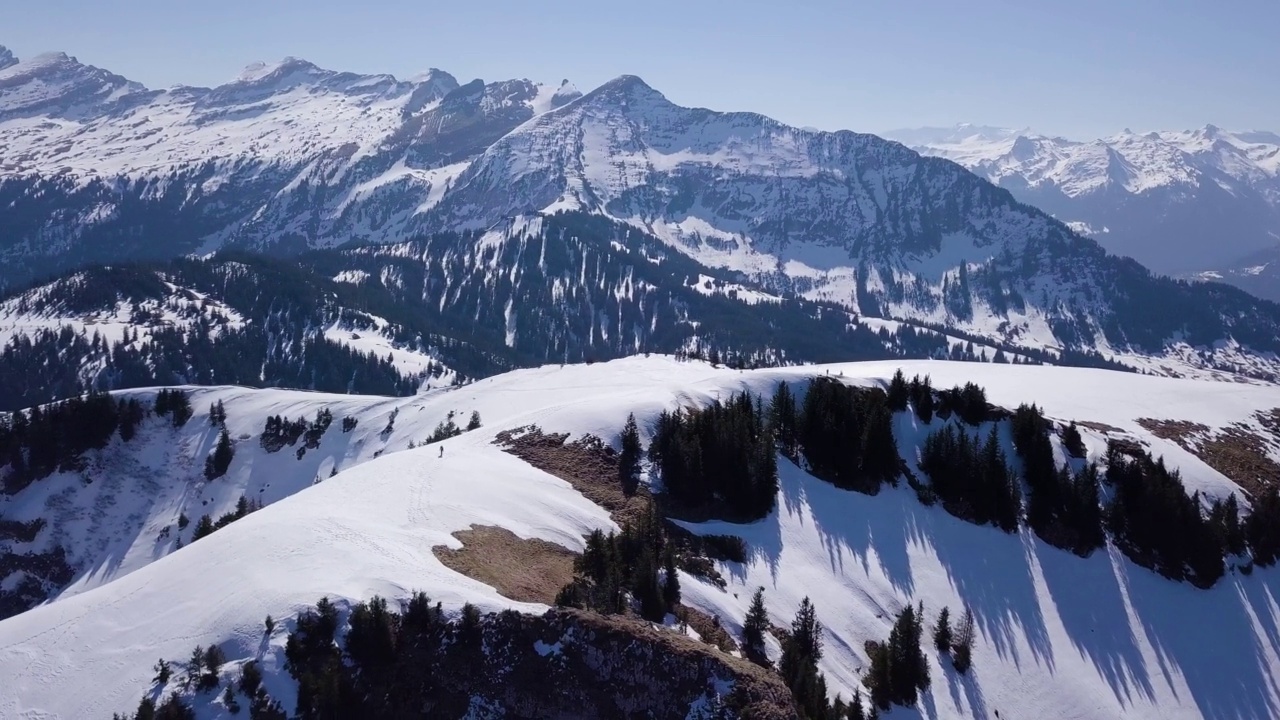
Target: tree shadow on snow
[1089, 602]
[1208, 638]
[991, 572]
[851, 524]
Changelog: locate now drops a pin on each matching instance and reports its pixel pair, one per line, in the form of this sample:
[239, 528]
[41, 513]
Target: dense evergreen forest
[717, 461]
[578, 289]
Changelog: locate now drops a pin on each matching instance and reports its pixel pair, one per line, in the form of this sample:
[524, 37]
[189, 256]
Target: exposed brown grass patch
[591, 467]
[1237, 451]
[1100, 427]
[707, 627]
[1179, 431]
[529, 570]
[587, 464]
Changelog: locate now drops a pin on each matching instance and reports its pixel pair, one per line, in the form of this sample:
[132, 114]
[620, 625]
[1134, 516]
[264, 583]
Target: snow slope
[1059, 636]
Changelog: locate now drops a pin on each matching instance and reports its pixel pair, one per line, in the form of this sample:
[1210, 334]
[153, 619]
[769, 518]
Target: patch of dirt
[1179, 431]
[1100, 427]
[1237, 451]
[591, 467]
[707, 627]
[530, 570]
[587, 464]
[1270, 419]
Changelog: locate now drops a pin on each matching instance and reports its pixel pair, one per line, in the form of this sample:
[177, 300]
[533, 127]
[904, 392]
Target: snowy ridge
[1178, 201]
[291, 156]
[1058, 635]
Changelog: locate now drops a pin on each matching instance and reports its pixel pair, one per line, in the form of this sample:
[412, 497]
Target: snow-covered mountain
[1177, 201]
[289, 157]
[359, 512]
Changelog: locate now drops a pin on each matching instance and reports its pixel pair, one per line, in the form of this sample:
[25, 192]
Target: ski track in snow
[1058, 636]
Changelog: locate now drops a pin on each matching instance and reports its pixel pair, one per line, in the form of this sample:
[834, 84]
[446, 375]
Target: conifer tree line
[47, 438]
[217, 463]
[899, 670]
[639, 564]
[1157, 525]
[279, 431]
[845, 433]
[798, 665]
[719, 459]
[206, 525]
[972, 478]
[1062, 508]
[838, 430]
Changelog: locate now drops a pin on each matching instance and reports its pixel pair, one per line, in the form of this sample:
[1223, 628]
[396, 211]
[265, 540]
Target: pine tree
[204, 527]
[782, 420]
[163, 672]
[670, 582]
[474, 422]
[229, 701]
[1072, 440]
[801, 652]
[218, 415]
[173, 708]
[754, 627]
[898, 392]
[629, 458]
[942, 631]
[216, 464]
[146, 710]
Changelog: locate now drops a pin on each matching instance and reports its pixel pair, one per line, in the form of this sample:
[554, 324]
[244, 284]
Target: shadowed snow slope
[1058, 636]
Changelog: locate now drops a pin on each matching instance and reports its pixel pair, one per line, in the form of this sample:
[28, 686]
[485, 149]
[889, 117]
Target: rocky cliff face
[571, 665]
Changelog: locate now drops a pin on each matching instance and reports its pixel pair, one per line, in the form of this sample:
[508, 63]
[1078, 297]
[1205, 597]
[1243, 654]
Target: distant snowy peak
[1135, 162]
[960, 133]
[1176, 201]
[7, 58]
[59, 85]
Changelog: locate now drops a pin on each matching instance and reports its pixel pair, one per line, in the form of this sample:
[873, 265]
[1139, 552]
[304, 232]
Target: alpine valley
[330, 396]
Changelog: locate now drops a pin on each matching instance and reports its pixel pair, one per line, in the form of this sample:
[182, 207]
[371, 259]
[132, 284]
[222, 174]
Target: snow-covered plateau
[1057, 635]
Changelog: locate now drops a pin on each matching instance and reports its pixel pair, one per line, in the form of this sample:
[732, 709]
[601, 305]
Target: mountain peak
[627, 86]
[7, 58]
[259, 71]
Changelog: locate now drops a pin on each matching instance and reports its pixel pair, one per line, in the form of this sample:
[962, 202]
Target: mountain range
[290, 158]
[1199, 203]
[332, 395]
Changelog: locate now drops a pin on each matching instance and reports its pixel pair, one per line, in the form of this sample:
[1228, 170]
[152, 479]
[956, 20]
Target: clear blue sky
[1074, 67]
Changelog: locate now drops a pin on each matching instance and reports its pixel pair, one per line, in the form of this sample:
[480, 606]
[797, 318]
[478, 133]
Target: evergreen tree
[782, 420]
[204, 527]
[1072, 441]
[218, 415]
[801, 652]
[670, 582]
[163, 672]
[899, 393]
[229, 701]
[1262, 528]
[216, 464]
[942, 631]
[173, 708]
[754, 628]
[899, 670]
[629, 458]
[146, 710]
[474, 422]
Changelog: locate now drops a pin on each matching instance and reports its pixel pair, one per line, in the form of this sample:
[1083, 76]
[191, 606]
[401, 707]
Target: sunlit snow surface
[1059, 636]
